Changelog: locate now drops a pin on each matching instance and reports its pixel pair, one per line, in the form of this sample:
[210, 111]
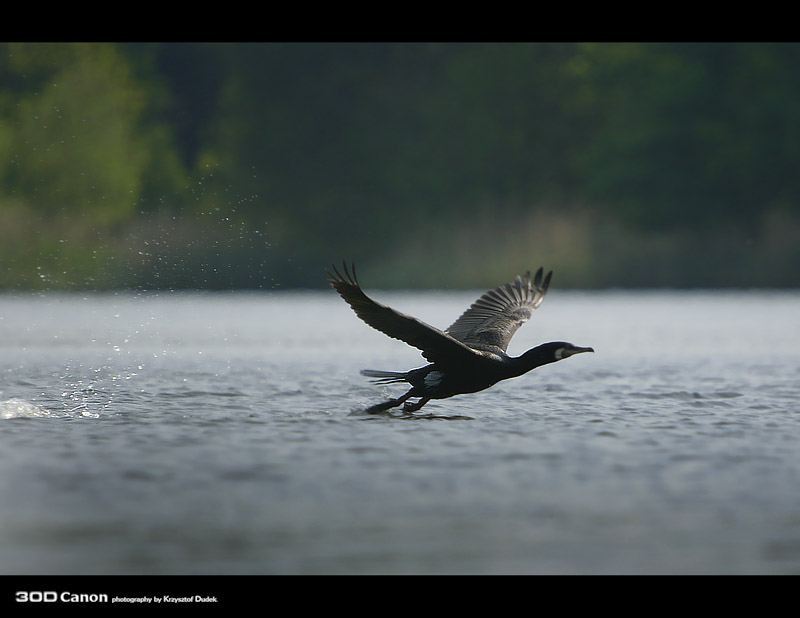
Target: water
[224, 434]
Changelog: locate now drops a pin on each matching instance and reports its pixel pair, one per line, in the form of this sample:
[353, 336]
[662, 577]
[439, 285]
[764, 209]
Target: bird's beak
[577, 350]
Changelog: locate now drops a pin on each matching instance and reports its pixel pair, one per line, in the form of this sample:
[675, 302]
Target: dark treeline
[215, 165]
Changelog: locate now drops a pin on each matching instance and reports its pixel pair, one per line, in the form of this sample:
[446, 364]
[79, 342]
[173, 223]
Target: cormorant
[470, 355]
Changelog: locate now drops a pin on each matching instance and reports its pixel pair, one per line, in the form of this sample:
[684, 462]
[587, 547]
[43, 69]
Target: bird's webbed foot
[413, 407]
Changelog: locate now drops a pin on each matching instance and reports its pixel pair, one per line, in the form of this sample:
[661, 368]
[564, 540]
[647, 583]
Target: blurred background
[449, 165]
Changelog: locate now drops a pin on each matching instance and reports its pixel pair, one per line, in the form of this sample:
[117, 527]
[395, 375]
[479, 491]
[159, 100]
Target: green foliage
[693, 135]
[72, 132]
[275, 158]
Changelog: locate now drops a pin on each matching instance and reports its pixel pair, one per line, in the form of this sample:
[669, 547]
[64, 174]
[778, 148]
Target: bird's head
[562, 349]
[550, 353]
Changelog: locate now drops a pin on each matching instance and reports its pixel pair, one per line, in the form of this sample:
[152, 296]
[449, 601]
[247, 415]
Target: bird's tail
[384, 377]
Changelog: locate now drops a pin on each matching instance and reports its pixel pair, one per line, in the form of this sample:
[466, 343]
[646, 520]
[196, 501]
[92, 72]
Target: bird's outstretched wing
[491, 321]
[434, 344]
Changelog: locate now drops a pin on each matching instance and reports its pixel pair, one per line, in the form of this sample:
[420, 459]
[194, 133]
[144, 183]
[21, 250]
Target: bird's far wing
[434, 344]
[492, 320]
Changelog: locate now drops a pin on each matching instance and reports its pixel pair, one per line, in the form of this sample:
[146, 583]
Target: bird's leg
[413, 407]
[392, 403]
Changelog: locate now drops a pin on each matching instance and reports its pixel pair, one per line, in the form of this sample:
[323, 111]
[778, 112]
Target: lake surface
[224, 434]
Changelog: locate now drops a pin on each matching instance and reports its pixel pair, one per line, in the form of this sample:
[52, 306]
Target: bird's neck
[533, 358]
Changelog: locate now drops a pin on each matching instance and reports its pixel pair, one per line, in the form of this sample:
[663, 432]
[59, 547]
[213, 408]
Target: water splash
[19, 408]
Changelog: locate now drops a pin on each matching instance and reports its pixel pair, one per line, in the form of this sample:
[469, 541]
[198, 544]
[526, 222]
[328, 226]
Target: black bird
[471, 354]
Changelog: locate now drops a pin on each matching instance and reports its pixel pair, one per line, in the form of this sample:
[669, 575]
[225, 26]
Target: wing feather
[434, 344]
[491, 321]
